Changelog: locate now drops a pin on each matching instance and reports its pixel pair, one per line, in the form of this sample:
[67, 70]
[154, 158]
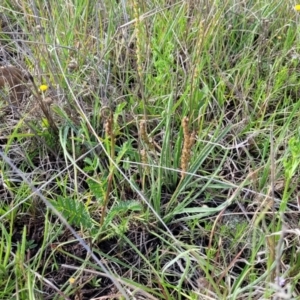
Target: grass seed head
[188, 142]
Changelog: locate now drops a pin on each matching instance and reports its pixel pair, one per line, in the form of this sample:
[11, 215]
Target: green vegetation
[163, 160]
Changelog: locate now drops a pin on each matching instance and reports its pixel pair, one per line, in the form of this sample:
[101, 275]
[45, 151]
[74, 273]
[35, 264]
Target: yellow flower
[43, 87]
[72, 280]
[297, 7]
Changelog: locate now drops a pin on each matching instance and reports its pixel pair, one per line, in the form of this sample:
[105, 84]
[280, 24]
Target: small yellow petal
[71, 280]
[297, 7]
[43, 87]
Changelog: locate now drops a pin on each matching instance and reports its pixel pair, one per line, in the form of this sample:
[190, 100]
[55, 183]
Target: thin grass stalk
[109, 134]
[139, 38]
[140, 41]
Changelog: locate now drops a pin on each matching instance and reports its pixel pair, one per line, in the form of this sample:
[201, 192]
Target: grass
[162, 162]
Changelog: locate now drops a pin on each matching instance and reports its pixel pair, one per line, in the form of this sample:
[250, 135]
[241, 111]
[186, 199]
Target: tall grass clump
[156, 155]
